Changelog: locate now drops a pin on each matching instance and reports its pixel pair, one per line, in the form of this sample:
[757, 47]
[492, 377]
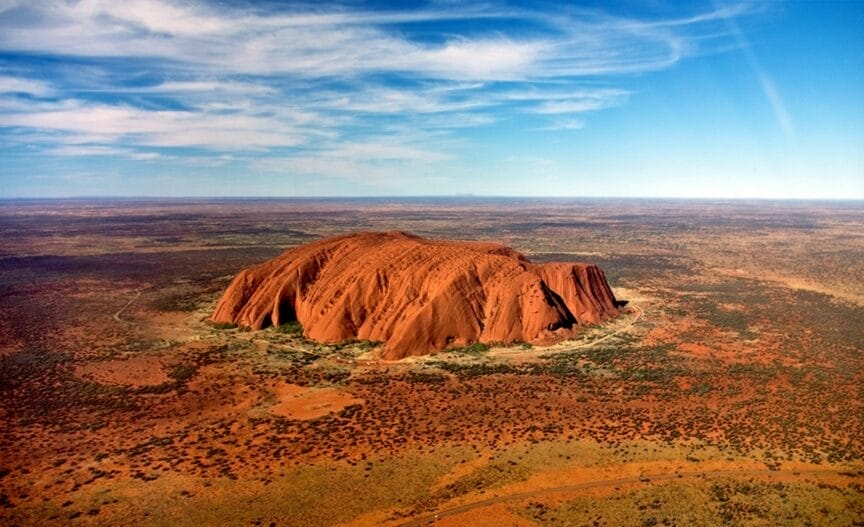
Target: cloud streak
[9, 84]
[162, 128]
[329, 88]
[766, 83]
[312, 44]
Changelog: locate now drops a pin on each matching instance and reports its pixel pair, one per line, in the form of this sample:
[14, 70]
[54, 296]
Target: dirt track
[432, 517]
[125, 307]
[576, 346]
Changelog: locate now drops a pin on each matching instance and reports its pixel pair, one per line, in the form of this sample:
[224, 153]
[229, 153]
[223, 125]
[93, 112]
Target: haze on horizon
[641, 99]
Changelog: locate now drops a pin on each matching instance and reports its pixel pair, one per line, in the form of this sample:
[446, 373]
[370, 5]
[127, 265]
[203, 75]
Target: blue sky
[233, 98]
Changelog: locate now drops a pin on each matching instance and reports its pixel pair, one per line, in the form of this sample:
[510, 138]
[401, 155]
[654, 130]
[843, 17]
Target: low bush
[291, 328]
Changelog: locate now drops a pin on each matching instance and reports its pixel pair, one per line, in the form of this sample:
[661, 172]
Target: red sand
[135, 371]
[301, 402]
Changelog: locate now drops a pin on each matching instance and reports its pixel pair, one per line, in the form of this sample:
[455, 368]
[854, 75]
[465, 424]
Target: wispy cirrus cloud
[10, 84]
[203, 86]
[317, 88]
[163, 128]
[96, 150]
[342, 42]
[565, 124]
[769, 89]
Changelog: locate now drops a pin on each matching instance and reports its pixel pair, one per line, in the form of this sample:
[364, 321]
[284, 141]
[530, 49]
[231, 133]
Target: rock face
[416, 295]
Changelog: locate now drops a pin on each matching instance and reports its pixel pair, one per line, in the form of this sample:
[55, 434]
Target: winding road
[124, 308]
[432, 517]
[581, 345]
[575, 346]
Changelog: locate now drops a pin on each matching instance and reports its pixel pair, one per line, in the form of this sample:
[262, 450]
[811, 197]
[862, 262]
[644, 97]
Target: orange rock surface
[416, 295]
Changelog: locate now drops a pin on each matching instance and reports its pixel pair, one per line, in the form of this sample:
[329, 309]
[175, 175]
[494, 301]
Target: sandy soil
[303, 403]
[135, 371]
[161, 419]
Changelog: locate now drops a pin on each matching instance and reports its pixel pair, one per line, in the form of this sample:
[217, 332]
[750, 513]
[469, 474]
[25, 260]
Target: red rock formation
[417, 295]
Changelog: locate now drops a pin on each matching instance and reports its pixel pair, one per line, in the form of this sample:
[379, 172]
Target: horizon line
[418, 196]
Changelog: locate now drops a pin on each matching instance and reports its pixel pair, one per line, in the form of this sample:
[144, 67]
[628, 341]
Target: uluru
[417, 296]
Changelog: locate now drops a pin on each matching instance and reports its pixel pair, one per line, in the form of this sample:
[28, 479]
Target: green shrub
[292, 327]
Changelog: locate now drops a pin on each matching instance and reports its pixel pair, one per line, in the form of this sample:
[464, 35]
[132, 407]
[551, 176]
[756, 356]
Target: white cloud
[98, 150]
[456, 120]
[267, 77]
[221, 87]
[38, 88]
[565, 124]
[86, 150]
[163, 128]
[451, 97]
[211, 37]
[575, 106]
[481, 60]
[581, 101]
[769, 89]
[463, 98]
[153, 15]
[145, 156]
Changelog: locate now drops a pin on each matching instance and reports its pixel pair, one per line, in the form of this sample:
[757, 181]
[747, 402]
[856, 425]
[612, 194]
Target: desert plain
[729, 391]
